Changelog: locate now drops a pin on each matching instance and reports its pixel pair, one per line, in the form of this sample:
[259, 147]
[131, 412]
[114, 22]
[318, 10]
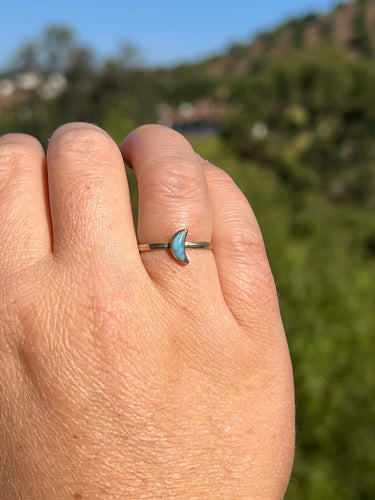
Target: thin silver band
[147, 247]
[177, 246]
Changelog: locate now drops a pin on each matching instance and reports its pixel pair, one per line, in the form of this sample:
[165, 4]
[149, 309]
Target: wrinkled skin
[128, 375]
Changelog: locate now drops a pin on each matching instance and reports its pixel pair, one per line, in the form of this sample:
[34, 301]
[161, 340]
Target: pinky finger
[245, 275]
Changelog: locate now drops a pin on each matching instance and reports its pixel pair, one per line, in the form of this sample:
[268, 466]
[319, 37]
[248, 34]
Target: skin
[128, 375]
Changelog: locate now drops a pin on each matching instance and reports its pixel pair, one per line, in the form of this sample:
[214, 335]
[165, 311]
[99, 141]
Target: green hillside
[350, 27]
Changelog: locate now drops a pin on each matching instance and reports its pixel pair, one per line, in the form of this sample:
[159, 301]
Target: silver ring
[176, 246]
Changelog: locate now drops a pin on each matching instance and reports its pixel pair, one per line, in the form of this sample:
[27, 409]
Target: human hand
[128, 375]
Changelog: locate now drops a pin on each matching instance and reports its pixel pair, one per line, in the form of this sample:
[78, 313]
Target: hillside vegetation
[350, 27]
[298, 137]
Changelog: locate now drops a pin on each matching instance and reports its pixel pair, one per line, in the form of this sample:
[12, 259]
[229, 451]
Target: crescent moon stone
[178, 246]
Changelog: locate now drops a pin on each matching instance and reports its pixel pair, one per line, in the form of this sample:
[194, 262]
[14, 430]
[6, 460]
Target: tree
[55, 51]
[362, 40]
[129, 56]
[56, 48]
[27, 58]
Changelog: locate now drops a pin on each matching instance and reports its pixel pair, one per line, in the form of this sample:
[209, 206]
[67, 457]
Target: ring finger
[173, 195]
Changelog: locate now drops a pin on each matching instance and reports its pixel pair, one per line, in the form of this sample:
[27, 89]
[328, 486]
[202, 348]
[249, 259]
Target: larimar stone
[178, 246]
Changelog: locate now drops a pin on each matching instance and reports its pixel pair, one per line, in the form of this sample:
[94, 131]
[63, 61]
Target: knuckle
[247, 241]
[177, 180]
[71, 142]
[162, 134]
[13, 154]
[18, 138]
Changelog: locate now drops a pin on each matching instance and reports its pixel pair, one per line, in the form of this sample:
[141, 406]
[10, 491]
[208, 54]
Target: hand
[127, 374]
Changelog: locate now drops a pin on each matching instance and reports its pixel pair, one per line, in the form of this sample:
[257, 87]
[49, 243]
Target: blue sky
[165, 31]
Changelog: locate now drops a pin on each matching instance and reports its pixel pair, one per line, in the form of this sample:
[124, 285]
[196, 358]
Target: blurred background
[282, 96]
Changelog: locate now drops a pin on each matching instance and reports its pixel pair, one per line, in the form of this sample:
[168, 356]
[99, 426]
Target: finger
[89, 195]
[24, 210]
[244, 272]
[173, 195]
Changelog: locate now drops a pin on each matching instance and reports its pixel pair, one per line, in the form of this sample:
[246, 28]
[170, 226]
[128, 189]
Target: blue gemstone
[178, 246]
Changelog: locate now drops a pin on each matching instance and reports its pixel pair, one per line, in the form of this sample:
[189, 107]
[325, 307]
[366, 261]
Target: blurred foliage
[323, 259]
[298, 139]
[310, 116]
[362, 38]
[55, 50]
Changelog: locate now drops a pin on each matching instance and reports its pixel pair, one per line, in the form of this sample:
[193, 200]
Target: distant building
[202, 117]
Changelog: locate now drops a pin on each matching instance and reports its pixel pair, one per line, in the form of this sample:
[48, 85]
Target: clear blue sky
[166, 31]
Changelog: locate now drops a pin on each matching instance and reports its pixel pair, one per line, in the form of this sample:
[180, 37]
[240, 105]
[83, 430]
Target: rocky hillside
[350, 26]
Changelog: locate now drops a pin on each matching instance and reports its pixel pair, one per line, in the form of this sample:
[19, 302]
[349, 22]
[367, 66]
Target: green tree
[27, 58]
[362, 39]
